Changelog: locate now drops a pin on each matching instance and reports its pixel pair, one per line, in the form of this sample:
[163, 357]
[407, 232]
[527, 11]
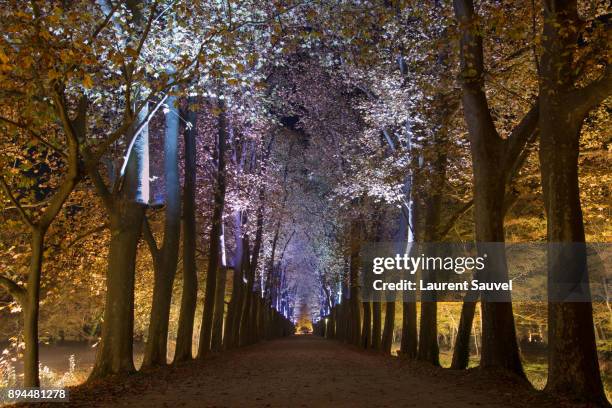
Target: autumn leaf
[87, 81]
[3, 58]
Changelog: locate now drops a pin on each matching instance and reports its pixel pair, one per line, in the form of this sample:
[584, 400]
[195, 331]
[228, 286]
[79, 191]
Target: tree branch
[102, 189]
[7, 191]
[34, 135]
[60, 107]
[105, 22]
[521, 158]
[475, 104]
[73, 174]
[99, 152]
[596, 92]
[86, 234]
[16, 291]
[146, 31]
[150, 240]
[521, 135]
[139, 129]
[453, 219]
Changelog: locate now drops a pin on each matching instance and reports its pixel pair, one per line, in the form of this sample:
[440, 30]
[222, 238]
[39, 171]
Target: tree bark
[573, 362]
[31, 311]
[428, 349]
[491, 159]
[461, 351]
[376, 324]
[366, 330]
[241, 294]
[126, 208]
[409, 341]
[355, 298]
[156, 348]
[428, 334]
[573, 367]
[409, 344]
[387, 337]
[115, 350]
[213, 258]
[232, 325]
[217, 333]
[184, 337]
[249, 324]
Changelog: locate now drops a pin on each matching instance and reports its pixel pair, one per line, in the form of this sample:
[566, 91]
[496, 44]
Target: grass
[535, 367]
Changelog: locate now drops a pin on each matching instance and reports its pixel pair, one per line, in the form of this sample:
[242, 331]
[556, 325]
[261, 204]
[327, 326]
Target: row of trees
[560, 59]
[308, 129]
[86, 90]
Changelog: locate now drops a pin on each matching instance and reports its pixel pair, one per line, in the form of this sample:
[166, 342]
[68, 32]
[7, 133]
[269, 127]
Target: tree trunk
[461, 351]
[115, 350]
[406, 243]
[428, 349]
[245, 323]
[261, 322]
[213, 258]
[270, 282]
[366, 330]
[387, 337]
[156, 348]
[217, 334]
[31, 311]
[376, 325]
[408, 347]
[233, 314]
[255, 317]
[330, 333]
[428, 334]
[573, 367]
[249, 324]
[355, 298]
[184, 337]
[490, 161]
[573, 361]
[241, 298]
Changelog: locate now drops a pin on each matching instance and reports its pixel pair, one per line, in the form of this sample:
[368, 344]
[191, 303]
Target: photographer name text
[473, 285]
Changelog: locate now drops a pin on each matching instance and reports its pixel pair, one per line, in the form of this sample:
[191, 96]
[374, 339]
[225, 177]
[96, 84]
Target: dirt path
[306, 371]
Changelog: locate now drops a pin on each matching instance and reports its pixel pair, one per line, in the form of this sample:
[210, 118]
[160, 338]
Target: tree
[499, 348]
[217, 219]
[29, 297]
[165, 258]
[184, 337]
[564, 104]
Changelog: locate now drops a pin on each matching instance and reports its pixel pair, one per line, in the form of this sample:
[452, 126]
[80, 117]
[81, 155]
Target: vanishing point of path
[308, 371]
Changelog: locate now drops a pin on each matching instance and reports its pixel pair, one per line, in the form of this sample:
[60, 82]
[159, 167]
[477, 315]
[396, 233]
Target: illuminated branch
[104, 23]
[146, 31]
[139, 129]
[150, 239]
[94, 156]
[73, 174]
[7, 191]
